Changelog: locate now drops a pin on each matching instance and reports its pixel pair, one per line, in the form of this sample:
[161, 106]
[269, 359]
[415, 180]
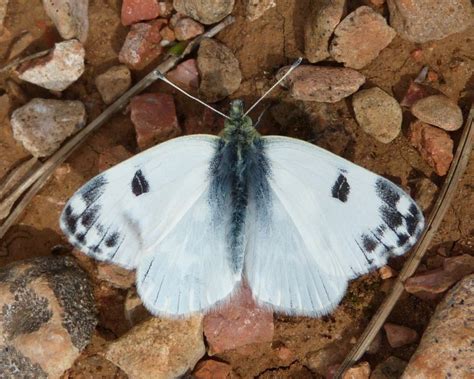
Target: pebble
[20, 45]
[445, 350]
[425, 193]
[322, 84]
[43, 124]
[113, 83]
[437, 281]
[211, 369]
[113, 156]
[321, 21]
[434, 145]
[159, 348]
[391, 368]
[219, 71]
[414, 93]
[47, 319]
[166, 8]
[238, 323]
[186, 28]
[398, 335]
[70, 17]
[386, 272]
[438, 110]
[378, 114]
[359, 371]
[5, 105]
[116, 276]
[59, 69]
[167, 35]
[142, 44]
[360, 37]
[205, 11]
[256, 8]
[427, 20]
[186, 75]
[139, 10]
[154, 118]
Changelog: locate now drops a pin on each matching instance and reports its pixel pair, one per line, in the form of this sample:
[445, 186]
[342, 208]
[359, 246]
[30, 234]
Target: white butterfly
[197, 215]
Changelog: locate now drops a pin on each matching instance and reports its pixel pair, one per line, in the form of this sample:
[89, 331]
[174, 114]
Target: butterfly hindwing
[326, 221]
[152, 213]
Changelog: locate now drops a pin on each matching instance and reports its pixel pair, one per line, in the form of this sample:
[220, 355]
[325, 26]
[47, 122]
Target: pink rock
[386, 272]
[238, 323]
[414, 93]
[185, 75]
[142, 44]
[398, 335]
[139, 10]
[154, 118]
[359, 371]
[434, 145]
[211, 369]
[186, 28]
[168, 35]
[438, 110]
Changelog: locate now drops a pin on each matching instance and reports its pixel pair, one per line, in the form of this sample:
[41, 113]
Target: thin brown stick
[448, 190]
[40, 177]
[12, 65]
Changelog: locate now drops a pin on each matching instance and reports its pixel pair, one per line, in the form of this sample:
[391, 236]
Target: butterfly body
[198, 214]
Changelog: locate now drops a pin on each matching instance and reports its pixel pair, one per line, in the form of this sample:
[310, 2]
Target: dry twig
[39, 177]
[443, 201]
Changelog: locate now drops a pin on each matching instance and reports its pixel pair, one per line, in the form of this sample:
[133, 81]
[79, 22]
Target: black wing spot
[112, 240]
[402, 239]
[71, 222]
[81, 238]
[93, 190]
[387, 192]
[413, 219]
[140, 184]
[391, 217]
[369, 243]
[89, 216]
[341, 188]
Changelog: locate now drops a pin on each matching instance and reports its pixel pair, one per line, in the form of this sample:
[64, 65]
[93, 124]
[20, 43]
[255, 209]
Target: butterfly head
[236, 111]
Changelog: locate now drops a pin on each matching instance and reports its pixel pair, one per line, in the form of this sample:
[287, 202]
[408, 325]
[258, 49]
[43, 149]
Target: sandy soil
[261, 47]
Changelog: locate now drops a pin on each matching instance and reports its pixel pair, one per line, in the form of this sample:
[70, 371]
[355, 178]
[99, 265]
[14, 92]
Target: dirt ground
[261, 47]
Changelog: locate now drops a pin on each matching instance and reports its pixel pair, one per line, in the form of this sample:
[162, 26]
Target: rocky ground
[385, 84]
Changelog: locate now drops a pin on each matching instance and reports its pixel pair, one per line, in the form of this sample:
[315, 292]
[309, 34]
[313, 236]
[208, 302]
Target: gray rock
[48, 316]
[256, 8]
[70, 17]
[360, 37]
[321, 21]
[438, 110]
[445, 350]
[378, 114]
[41, 125]
[425, 193]
[59, 69]
[205, 11]
[391, 368]
[427, 20]
[113, 83]
[322, 84]
[219, 71]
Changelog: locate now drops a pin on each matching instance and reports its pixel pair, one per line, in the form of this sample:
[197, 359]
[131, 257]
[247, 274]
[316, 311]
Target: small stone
[113, 83]
[322, 84]
[166, 8]
[321, 21]
[167, 35]
[427, 20]
[48, 316]
[238, 323]
[5, 104]
[445, 350]
[439, 280]
[159, 348]
[135, 311]
[42, 124]
[116, 276]
[219, 71]
[432, 76]
[211, 369]
[139, 10]
[154, 118]
[112, 157]
[438, 110]
[391, 368]
[142, 44]
[414, 93]
[59, 69]
[425, 193]
[398, 335]
[256, 8]
[186, 28]
[367, 30]
[186, 75]
[359, 371]
[386, 272]
[205, 11]
[284, 354]
[434, 145]
[20, 45]
[378, 114]
[70, 17]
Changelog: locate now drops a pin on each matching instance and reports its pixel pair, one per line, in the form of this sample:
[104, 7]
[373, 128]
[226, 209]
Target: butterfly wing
[152, 212]
[324, 221]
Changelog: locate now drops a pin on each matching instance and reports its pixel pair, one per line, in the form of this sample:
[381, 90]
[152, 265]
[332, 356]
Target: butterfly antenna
[293, 66]
[162, 77]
